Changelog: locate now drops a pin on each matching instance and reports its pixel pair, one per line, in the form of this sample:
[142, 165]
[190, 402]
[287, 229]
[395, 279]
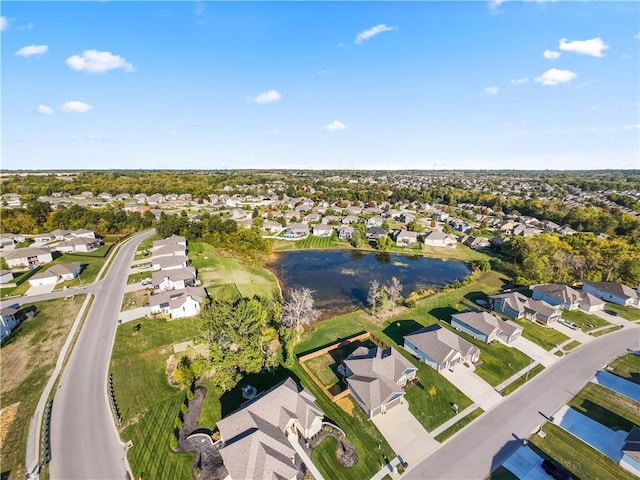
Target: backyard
[30, 354]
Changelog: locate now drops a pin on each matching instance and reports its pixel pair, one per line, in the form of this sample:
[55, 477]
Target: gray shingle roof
[614, 288]
[439, 343]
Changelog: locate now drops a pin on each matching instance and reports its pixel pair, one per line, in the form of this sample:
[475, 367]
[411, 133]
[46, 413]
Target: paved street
[84, 441]
[494, 436]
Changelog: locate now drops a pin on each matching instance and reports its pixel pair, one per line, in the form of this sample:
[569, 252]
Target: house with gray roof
[439, 239]
[630, 460]
[169, 263]
[174, 279]
[178, 303]
[486, 326]
[256, 437]
[405, 238]
[27, 257]
[613, 292]
[322, 230]
[78, 244]
[10, 318]
[440, 348]
[58, 273]
[557, 294]
[172, 240]
[515, 305]
[376, 377]
[296, 230]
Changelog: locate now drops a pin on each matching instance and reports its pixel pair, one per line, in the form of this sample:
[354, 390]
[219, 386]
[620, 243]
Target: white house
[27, 257]
[10, 318]
[440, 348]
[486, 326]
[405, 238]
[174, 279]
[6, 276]
[613, 292]
[439, 239]
[272, 226]
[172, 240]
[173, 250]
[178, 303]
[297, 230]
[169, 263]
[322, 230]
[78, 244]
[58, 273]
[630, 460]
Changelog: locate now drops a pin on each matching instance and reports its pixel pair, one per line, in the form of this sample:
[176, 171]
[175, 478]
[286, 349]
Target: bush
[184, 408]
[177, 423]
[173, 441]
[190, 394]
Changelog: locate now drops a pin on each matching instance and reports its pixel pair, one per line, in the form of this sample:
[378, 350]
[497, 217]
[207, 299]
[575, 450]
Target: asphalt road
[84, 440]
[494, 436]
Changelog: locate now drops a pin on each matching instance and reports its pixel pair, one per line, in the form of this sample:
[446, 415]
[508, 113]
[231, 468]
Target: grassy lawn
[576, 456]
[513, 386]
[607, 407]
[604, 331]
[138, 277]
[628, 313]
[144, 248]
[546, 337]
[585, 321]
[311, 242]
[571, 345]
[460, 252]
[214, 270]
[321, 367]
[459, 425]
[27, 359]
[501, 473]
[147, 402]
[627, 366]
[131, 300]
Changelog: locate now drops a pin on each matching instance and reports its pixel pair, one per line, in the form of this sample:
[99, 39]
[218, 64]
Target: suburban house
[27, 257]
[374, 222]
[440, 348]
[349, 219]
[172, 240]
[78, 244]
[439, 239]
[557, 294]
[376, 377]
[312, 217]
[476, 242]
[6, 276]
[322, 230]
[178, 303]
[296, 230]
[272, 226]
[486, 326]
[58, 273]
[630, 460]
[82, 233]
[613, 292]
[405, 238]
[345, 232]
[590, 303]
[10, 318]
[174, 279]
[172, 250]
[256, 437]
[169, 263]
[374, 233]
[515, 305]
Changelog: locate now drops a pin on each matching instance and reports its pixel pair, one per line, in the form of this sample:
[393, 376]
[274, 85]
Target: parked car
[569, 324]
[146, 281]
[556, 471]
[611, 312]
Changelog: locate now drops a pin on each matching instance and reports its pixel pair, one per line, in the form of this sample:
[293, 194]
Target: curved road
[84, 441]
[492, 438]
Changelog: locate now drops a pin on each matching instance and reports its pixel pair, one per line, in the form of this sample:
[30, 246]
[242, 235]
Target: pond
[340, 278]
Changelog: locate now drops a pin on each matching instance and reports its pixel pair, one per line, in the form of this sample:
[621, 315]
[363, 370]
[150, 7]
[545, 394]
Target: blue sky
[349, 85]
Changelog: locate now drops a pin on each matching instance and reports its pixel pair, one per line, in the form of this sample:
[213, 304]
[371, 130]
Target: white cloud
[491, 90]
[493, 4]
[551, 55]
[519, 81]
[266, 97]
[554, 77]
[593, 47]
[28, 26]
[637, 36]
[372, 32]
[4, 24]
[75, 106]
[94, 61]
[335, 126]
[30, 50]
[44, 110]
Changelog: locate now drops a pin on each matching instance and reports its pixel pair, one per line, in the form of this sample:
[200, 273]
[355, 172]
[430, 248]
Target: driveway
[134, 287]
[136, 313]
[578, 335]
[534, 351]
[618, 384]
[525, 464]
[404, 433]
[39, 290]
[615, 319]
[592, 433]
[474, 387]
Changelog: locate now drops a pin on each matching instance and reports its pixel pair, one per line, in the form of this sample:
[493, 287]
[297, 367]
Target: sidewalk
[516, 376]
[388, 469]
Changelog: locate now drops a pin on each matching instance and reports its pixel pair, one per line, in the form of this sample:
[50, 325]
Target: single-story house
[172, 250]
[374, 222]
[322, 230]
[272, 226]
[6, 276]
[486, 326]
[374, 233]
[590, 303]
[557, 294]
[255, 437]
[296, 230]
[172, 240]
[439, 239]
[169, 263]
[82, 233]
[515, 305]
[59, 234]
[27, 257]
[331, 219]
[58, 273]
[440, 348]
[178, 303]
[405, 238]
[630, 460]
[174, 279]
[376, 377]
[349, 219]
[10, 318]
[476, 242]
[81, 244]
[312, 217]
[345, 232]
[613, 292]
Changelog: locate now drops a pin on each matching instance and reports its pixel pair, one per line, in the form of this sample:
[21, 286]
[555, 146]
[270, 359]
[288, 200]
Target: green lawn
[214, 270]
[627, 366]
[571, 345]
[459, 425]
[27, 359]
[576, 456]
[628, 313]
[604, 331]
[138, 277]
[546, 337]
[607, 407]
[131, 300]
[585, 321]
[460, 252]
[522, 380]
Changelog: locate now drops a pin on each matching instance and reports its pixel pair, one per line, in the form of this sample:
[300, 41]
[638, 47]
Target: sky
[327, 85]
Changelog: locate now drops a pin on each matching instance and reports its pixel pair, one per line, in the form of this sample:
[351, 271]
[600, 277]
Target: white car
[146, 281]
[569, 324]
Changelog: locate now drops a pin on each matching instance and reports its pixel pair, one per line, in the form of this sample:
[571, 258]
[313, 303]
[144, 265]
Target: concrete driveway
[614, 319]
[39, 290]
[592, 433]
[134, 314]
[534, 351]
[525, 464]
[474, 387]
[618, 384]
[578, 335]
[405, 434]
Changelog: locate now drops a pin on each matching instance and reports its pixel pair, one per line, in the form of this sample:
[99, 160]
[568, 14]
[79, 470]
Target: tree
[433, 391]
[298, 310]
[394, 289]
[383, 243]
[372, 296]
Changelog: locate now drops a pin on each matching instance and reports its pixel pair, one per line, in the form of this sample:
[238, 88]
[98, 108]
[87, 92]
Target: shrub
[190, 394]
[177, 423]
[184, 408]
[173, 441]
